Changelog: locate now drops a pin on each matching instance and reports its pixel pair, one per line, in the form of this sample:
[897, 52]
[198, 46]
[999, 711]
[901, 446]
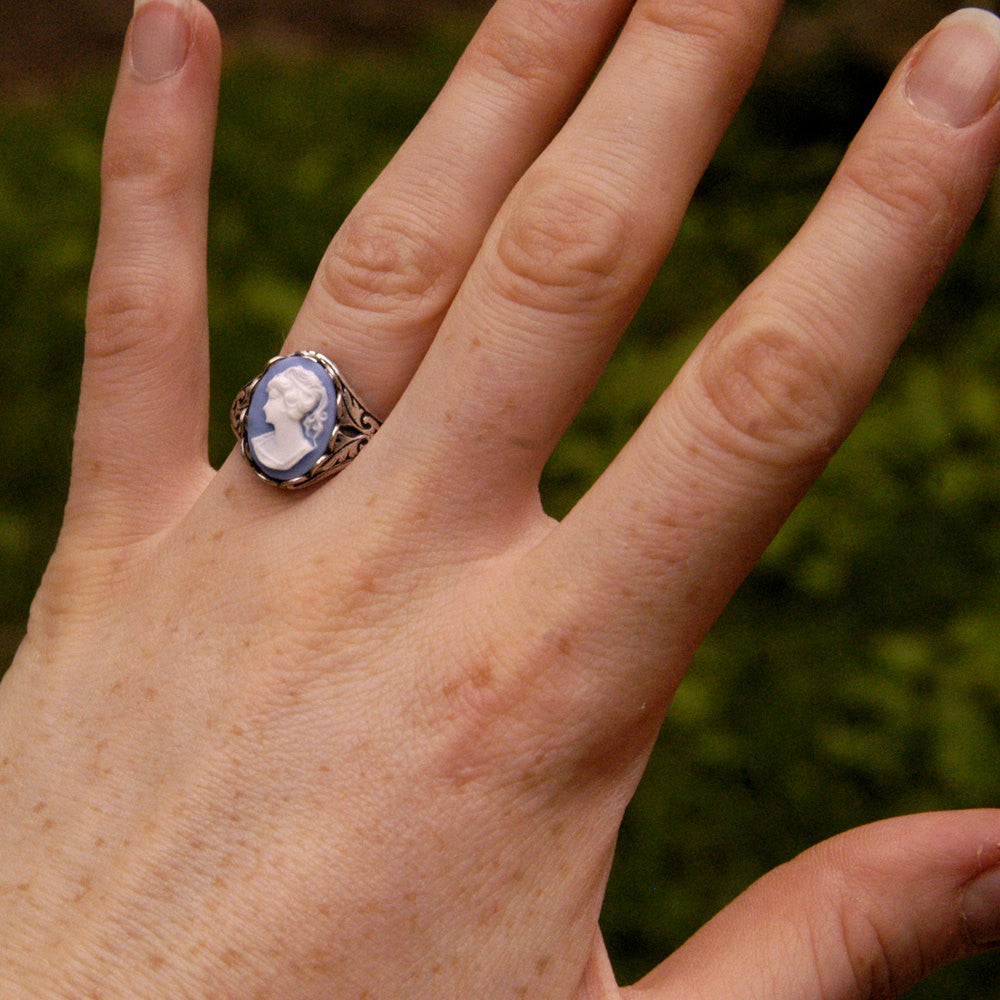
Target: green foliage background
[855, 674]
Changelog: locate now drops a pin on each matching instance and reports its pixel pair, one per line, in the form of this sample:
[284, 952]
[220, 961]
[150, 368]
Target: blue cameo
[292, 417]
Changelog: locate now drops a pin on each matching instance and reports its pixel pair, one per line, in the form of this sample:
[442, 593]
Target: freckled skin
[376, 741]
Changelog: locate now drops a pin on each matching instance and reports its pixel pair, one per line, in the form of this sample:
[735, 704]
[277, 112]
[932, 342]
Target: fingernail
[955, 76]
[981, 908]
[160, 38]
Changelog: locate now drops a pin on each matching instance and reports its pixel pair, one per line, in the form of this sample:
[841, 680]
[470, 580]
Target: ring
[299, 422]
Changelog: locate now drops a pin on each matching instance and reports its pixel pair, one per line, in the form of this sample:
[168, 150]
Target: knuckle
[153, 170]
[120, 317]
[725, 37]
[910, 192]
[380, 262]
[521, 53]
[879, 961]
[562, 243]
[867, 960]
[717, 23]
[774, 396]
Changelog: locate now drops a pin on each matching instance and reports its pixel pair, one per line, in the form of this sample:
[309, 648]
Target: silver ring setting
[299, 422]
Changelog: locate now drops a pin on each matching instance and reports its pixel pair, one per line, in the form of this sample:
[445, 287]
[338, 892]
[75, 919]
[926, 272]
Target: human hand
[376, 739]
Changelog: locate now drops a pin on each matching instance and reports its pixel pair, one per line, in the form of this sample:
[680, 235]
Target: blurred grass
[855, 674]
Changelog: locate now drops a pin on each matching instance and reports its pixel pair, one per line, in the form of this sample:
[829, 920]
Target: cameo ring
[299, 422]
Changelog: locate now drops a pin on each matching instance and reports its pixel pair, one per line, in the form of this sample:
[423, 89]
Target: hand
[375, 740]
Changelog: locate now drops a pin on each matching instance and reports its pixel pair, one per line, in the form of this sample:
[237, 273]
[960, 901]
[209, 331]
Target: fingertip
[165, 36]
[893, 901]
[160, 38]
[981, 909]
[206, 38]
[954, 77]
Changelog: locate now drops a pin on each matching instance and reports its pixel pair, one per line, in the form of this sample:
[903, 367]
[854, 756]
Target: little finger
[140, 448]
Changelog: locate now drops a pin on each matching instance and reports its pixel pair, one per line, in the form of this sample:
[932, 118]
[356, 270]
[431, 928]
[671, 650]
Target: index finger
[758, 410]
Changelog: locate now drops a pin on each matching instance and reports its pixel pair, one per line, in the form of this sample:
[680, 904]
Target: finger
[392, 270]
[867, 914]
[576, 245]
[760, 407]
[140, 449]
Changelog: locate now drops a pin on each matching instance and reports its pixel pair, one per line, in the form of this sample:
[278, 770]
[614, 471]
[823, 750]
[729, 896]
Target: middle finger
[574, 248]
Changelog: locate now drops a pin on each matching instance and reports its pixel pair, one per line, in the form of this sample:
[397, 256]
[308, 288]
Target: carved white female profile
[298, 422]
[297, 410]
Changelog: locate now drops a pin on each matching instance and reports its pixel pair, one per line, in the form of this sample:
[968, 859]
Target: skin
[414, 791]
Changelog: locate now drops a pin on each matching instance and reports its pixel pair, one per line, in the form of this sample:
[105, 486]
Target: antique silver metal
[353, 427]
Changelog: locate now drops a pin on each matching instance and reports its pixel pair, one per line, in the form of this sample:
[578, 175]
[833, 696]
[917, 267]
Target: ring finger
[392, 270]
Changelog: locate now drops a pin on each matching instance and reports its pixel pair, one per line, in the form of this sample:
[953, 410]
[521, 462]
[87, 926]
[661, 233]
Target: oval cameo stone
[292, 418]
